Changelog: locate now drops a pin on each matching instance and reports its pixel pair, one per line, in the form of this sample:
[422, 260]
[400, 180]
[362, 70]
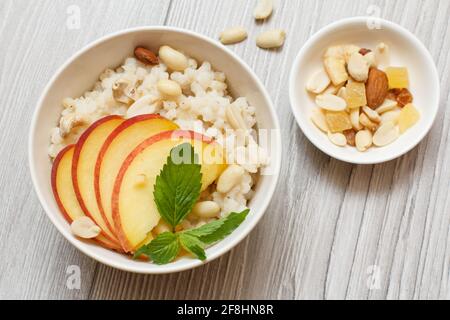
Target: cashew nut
[335, 61]
[371, 59]
[358, 67]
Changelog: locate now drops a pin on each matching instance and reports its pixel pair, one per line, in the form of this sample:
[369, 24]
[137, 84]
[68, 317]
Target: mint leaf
[192, 245]
[219, 229]
[166, 247]
[178, 186]
[163, 249]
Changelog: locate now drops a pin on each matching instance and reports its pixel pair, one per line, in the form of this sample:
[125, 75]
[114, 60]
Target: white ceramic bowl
[406, 50]
[79, 74]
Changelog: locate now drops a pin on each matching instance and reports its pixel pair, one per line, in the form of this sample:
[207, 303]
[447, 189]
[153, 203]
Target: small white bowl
[79, 74]
[405, 50]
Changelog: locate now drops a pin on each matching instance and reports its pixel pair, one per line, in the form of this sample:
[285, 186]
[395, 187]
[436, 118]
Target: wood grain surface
[330, 227]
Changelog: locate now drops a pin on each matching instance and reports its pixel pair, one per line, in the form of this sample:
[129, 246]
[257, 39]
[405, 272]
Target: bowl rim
[357, 20]
[233, 240]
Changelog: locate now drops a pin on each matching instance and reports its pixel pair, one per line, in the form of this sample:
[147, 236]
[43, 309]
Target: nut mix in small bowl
[361, 95]
[358, 104]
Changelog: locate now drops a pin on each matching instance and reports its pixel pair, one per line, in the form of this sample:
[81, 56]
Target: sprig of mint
[162, 250]
[177, 189]
[218, 229]
[178, 186]
[166, 246]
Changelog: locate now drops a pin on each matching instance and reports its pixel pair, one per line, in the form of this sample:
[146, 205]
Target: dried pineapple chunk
[398, 78]
[338, 121]
[409, 116]
[356, 95]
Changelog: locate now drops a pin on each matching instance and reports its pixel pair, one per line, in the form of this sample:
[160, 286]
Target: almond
[372, 114]
[331, 102]
[401, 96]
[332, 89]
[392, 94]
[391, 116]
[386, 134]
[404, 97]
[318, 82]
[342, 93]
[387, 105]
[366, 122]
[377, 88]
[318, 118]
[350, 135]
[337, 139]
[363, 140]
[364, 51]
[354, 119]
[145, 56]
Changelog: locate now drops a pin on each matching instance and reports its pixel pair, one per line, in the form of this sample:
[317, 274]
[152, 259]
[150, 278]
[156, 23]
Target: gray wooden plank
[328, 223]
[34, 257]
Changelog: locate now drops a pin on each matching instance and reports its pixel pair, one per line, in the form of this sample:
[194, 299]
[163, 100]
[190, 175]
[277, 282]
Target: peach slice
[83, 168]
[134, 210]
[119, 144]
[61, 180]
